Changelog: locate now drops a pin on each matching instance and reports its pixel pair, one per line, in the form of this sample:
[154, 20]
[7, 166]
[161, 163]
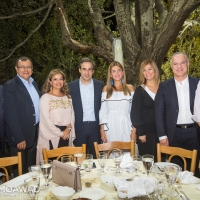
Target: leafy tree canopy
[56, 34]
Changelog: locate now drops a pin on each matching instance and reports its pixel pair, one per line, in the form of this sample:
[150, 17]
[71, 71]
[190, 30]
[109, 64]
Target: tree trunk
[149, 35]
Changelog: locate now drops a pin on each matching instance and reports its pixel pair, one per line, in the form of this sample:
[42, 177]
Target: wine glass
[152, 187]
[34, 171]
[117, 157]
[148, 161]
[136, 162]
[33, 186]
[171, 173]
[78, 158]
[102, 159]
[88, 162]
[66, 159]
[46, 166]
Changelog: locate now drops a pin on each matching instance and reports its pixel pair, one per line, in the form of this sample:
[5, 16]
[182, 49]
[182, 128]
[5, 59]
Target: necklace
[118, 89]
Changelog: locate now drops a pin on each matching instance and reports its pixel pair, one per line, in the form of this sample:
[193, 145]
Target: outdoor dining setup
[69, 173]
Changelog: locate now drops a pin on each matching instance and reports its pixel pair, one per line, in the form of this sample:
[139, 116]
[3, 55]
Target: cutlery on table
[181, 193]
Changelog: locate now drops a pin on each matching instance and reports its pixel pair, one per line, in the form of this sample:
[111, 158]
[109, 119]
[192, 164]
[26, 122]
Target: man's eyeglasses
[25, 67]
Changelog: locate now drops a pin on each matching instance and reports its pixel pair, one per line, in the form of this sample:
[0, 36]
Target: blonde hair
[47, 86]
[151, 62]
[110, 88]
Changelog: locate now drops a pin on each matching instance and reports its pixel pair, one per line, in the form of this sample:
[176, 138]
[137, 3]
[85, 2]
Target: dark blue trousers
[187, 139]
[90, 133]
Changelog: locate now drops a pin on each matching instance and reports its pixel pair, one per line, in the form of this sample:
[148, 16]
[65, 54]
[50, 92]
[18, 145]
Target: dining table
[93, 177]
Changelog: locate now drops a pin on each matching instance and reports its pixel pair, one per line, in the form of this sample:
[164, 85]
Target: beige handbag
[66, 175]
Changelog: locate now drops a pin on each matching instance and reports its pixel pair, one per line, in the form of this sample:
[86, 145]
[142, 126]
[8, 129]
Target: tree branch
[109, 16]
[126, 30]
[66, 34]
[187, 24]
[32, 32]
[178, 13]
[162, 12]
[147, 25]
[27, 13]
[78, 47]
[102, 34]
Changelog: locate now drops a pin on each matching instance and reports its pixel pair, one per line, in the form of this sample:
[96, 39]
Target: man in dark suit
[86, 98]
[2, 131]
[21, 97]
[174, 104]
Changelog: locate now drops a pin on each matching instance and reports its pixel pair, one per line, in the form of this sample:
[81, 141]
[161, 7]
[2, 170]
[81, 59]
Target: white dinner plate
[93, 193]
[162, 165]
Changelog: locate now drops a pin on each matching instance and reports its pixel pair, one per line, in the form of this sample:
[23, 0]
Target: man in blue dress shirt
[21, 99]
[86, 98]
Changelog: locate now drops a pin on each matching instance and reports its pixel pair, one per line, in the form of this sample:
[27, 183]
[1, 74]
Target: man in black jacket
[21, 97]
[86, 99]
[174, 105]
[2, 131]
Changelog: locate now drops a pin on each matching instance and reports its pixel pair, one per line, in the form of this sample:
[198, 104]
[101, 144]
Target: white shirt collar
[182, 82]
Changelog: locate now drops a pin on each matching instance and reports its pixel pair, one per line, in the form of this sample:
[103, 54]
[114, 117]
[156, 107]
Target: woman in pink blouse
[56, 127]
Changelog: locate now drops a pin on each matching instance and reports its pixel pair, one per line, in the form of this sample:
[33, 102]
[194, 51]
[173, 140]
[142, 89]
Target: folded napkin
[187, 177]
[2, 174]
[197, 186]
[126, 161]
[18, 181]
[125, 189]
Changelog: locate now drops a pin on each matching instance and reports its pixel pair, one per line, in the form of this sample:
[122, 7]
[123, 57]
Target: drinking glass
[33, 187]
[137, 160]
[102, 159]
[117, 157]
[159, 172]
[78, 159]
[66, 159]
[148, 161]
[34, 171]
[46, 166]
[151, 188]
[171, 173]
[88, 162]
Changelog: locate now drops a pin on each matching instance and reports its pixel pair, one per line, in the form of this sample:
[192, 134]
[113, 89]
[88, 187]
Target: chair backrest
[59, 152]
[9, 161]
[115, 144]
[176, 151]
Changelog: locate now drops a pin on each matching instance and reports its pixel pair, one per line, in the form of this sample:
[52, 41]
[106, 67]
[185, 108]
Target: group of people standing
[85, 111]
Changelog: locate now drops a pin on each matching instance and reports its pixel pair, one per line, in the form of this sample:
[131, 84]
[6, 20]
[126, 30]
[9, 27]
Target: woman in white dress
[114, 115]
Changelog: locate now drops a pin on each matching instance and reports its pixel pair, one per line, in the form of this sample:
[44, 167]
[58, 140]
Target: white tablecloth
[94, 176]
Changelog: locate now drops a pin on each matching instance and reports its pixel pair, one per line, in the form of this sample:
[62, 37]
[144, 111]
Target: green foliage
[45, 47]
[188, 42]
[47, 51]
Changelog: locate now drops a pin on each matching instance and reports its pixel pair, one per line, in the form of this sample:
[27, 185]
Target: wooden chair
[116, 144]
[176, 151]
[8, 161]
[59, 152]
